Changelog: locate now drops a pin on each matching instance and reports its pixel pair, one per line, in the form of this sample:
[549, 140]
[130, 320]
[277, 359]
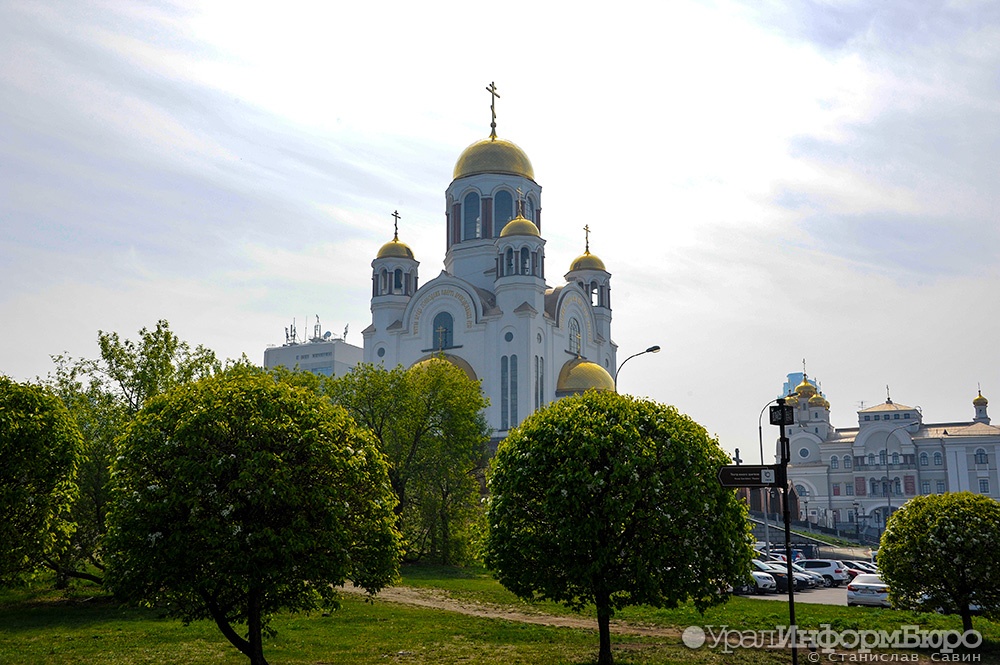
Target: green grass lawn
[42, 626]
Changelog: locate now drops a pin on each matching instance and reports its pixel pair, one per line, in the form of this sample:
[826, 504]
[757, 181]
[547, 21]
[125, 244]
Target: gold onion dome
[587, 261]
[493, 155]
[817, 400]
[519, 226]
[395, 249]
[980, 400]
[805, 389]
[579, 375]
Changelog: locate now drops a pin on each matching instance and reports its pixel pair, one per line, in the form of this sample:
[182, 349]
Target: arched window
[574, 336]
[881, 457]
[876, 488]
[895, 458]
[924, 460]
[938, 459]
[529, 209]
[503, 210]
[981, 456]
[594, 294]
[471, 222]
[834, 463]
[383, 282]
[397, 281]
[444, 328]
[848, 462]
[871, 459]
[525, 261]
[897, 487]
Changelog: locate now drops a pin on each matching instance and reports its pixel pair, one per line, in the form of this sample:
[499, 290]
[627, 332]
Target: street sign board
[751, 475]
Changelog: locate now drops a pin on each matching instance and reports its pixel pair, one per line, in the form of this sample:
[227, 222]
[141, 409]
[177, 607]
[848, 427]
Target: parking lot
[818, 596]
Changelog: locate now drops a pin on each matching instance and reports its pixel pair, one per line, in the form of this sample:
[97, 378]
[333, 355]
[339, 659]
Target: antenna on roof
[345, 332]
[888, 399]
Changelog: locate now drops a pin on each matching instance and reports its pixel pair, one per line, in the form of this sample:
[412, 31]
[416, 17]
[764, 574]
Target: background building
[321, 354]
[843, 475]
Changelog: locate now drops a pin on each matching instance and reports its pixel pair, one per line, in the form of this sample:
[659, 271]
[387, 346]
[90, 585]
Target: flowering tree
[239, 495]
[939, 552]
[608, 500]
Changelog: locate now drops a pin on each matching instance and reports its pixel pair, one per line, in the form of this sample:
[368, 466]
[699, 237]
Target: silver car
[866, 589]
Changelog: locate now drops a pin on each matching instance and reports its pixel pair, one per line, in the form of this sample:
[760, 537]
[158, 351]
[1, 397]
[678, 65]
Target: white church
[490, 311]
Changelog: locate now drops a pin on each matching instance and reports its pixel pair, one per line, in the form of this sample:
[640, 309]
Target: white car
[765, 582]
[867, 589]
[834, 572]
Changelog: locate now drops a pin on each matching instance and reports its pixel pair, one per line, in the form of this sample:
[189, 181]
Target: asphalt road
[817, 596]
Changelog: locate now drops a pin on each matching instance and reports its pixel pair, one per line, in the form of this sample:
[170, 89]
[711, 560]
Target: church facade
[864, 473]
[491, 310]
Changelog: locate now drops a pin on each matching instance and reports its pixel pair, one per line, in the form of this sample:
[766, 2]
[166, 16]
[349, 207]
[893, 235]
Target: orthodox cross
[494, 95]
[441, 331]
[520, 202]
[586, 233]
[395, 226]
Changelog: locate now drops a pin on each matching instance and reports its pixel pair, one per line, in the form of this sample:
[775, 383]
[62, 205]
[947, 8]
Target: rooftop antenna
[317, 330]
[494, 96]
[888, 399]
[345, 332]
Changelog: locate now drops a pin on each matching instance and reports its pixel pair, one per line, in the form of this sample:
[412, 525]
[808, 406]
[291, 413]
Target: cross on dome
[494, 96]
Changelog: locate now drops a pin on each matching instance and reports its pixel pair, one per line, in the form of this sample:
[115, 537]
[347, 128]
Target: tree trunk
[603, 602]
[966, 617]
[254, 629]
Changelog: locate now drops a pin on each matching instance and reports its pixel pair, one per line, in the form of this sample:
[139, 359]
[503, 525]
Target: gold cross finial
[441, 331]
[494, 95]
[520, 202]
[586, 233]
[395, 226]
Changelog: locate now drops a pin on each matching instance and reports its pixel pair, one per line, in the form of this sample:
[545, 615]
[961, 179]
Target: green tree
[939, 552]
[428, 422]
[239, 495]
[39, 454]
[103, 395]
[607, 500]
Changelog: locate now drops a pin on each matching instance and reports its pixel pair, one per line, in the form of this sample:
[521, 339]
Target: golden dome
[817, 400]
[493, 156]
[587, 261]
[395, 249]
[519, 226]
[439, 357]
[805, 389]
[980, 400]
[579, 375]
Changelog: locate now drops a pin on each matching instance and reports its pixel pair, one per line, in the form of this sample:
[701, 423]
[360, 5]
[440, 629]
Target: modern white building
[320, 354]
[868, 471]
[491, 310]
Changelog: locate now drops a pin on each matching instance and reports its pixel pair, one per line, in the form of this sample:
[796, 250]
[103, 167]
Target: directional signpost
[752, 475]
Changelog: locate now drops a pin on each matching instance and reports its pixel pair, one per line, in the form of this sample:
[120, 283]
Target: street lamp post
[857, 522]
[653, 349]
[808, 523]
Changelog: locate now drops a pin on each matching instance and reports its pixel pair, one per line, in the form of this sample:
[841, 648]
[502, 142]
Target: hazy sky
[766, 182]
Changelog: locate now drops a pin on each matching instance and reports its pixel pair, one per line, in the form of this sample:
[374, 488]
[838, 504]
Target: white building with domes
[869, 471]
[490, 309]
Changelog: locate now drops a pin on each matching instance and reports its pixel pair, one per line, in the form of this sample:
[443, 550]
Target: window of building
[925, 487]
[895, 458]
[849, 489]
[444, 328]
[940, 487]
[906, 416]
[525, 261]
[397, 281]
[834, 463]
[529, 208]
[924, 460]
[871, 459]
[984, 485]
[504, 396]
[803, 453]
[868, 417]
[876, 488]
[877, 417]
[938, 460]
[836, 489]
[897, 487]
[881, 457]
[981, 457]
[848, 462]
[539, 382]
[895, 416]
[503, 210]
[574, 336]
[471, 217]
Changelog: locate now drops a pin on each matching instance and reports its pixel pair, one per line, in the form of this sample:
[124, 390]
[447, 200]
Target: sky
[768, 183]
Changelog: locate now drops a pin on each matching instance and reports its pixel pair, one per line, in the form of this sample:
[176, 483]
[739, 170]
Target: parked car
[868, 589]
[760, 583]
[815, 579]
[866, 566]
[780, 575]
[833, 572]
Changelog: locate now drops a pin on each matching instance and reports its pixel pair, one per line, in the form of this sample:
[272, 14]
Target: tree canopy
[608, 500]
[428, 422]
[938, 552]
[39, 455]
[238, 495]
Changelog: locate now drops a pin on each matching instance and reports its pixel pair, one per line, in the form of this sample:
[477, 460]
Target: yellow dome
[587, 261]
[519, 226]
[395, 249]
[579, 375]
[805, 389]
[980, 400]
[493, 156]
[439, 357]
[817, 400]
